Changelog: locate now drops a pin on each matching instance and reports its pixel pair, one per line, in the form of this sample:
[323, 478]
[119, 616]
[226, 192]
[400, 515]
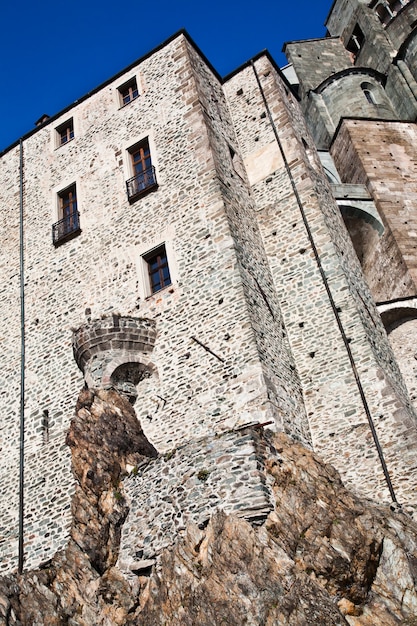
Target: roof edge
[365, 119]
[248, 63]
[182, 32]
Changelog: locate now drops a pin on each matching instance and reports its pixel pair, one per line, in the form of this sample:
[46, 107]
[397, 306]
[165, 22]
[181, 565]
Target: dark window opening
[368, 92]
[356, 42]
[368, 95]
[158, 270]
[68, 226]
[397, 5]
[128, 92]
[65, 132]
[143, 178]
[384, 13]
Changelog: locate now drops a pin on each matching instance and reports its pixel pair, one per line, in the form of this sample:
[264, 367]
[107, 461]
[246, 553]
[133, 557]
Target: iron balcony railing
[66, 228]
[141, 183]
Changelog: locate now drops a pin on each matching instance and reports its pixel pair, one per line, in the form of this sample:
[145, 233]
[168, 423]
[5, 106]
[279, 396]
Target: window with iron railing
[68, 226]
[143, 179]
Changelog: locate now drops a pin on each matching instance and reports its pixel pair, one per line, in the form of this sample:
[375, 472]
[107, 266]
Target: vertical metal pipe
[22, 370]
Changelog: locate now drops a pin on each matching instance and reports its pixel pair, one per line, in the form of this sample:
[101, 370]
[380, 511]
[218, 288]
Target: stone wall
[187, 485]
[267, 317]
[357, 148]
[278, 368]
[337, 420]
[315, 60]
[221, 358]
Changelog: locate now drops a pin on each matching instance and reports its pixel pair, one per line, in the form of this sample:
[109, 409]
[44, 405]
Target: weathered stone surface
[323, 557]
[267, 310]
[104, 437]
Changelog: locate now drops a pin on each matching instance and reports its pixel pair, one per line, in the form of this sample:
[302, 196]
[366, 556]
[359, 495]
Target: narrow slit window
[369, 93]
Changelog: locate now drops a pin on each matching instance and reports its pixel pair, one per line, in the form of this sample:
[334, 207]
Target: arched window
[396, 5]
[384, 13]
[369, 93]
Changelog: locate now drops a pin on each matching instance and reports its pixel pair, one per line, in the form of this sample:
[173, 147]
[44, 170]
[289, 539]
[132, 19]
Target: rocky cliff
[322, 557]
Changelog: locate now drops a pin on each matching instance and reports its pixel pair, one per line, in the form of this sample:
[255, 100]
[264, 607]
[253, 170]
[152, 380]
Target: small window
[68, 225]
[143, 179]
[158, 269]
[369, 93]
[65, 132]
[128, 92]
[356, 42]
[397, 5]
[384, 13]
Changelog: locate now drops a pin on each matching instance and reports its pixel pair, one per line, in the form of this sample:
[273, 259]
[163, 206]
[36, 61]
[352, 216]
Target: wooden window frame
[161, 271]
[68, 225]
[67, 200]
[128, 92]
[65, 132]
[143, 150]
[142, 177]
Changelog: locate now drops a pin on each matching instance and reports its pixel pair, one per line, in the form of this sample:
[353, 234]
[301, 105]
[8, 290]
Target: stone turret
[115, 352]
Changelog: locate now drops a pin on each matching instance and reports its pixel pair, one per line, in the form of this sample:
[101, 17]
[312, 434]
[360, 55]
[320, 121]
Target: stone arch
[408, 53]
[362, 214]
[126, 372]
[400, 321]
[365, 228]
[384, 12]
[395, 314]
[362, 232]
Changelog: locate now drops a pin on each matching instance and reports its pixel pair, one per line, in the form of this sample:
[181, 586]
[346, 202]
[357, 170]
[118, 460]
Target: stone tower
[188, 237]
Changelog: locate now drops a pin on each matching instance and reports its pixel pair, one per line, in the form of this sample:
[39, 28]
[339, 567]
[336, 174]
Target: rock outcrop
[322, 557]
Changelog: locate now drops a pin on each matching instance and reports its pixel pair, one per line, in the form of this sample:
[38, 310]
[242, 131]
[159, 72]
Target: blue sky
[53, 52]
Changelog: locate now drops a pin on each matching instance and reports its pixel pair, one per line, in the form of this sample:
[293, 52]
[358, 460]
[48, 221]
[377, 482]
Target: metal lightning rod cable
[22, 372]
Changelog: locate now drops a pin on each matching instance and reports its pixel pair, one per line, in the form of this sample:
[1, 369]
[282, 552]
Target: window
[68, 226]
[128, 92]
[356, 42]
[65, 132]
[397, 5]
[158, 270]
[384, 13]
[369, 93]
[143, 179]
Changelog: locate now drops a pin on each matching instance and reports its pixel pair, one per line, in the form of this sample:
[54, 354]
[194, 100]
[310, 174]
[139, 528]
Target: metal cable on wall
[22, 370]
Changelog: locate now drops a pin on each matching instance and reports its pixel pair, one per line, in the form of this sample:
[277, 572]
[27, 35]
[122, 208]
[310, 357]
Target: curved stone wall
[359, 91]
[114, 352]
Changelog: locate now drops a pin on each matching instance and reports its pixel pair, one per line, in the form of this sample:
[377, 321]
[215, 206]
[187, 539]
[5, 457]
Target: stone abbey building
[230, 254]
